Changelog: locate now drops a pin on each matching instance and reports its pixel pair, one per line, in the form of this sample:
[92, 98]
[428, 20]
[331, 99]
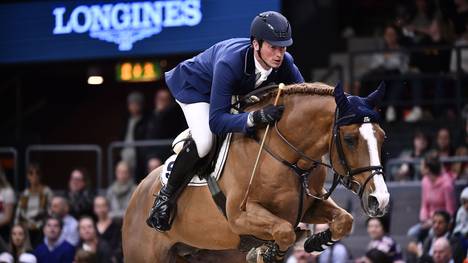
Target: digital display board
[71, 30]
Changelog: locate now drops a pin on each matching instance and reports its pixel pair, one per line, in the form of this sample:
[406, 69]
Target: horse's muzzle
[375, 205]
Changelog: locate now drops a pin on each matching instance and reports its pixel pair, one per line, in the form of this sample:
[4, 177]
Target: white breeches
[197, 116]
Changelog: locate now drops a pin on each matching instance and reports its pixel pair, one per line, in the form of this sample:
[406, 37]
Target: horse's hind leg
[260, 222]
[327, 212]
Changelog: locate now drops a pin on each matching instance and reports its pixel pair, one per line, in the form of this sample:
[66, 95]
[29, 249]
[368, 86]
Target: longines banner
[70, 30]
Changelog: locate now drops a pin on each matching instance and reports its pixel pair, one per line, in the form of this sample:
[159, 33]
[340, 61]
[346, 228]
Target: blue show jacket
[225, 69]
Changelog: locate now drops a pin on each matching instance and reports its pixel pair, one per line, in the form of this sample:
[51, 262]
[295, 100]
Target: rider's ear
[256, 46]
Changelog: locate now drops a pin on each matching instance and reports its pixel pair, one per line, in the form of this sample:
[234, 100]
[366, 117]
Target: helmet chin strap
[260, 56]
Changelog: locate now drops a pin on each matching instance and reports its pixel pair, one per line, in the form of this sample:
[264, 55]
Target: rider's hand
[267, 115]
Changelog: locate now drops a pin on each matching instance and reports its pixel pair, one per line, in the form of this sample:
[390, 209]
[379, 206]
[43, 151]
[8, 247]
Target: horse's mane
[315, 88]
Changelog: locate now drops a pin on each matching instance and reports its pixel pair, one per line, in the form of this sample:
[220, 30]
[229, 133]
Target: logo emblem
[126, 23]
[366, 119]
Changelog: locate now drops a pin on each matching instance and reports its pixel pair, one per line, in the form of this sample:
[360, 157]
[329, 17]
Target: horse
[318, 120]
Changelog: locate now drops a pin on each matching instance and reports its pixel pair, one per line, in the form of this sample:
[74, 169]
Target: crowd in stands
[418, 61]
[77, 225]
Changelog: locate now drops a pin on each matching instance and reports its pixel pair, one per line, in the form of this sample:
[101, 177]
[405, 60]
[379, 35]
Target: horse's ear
[340, 98]
[375, 97]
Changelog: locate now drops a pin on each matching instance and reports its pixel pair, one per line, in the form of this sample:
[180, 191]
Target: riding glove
[267, 115]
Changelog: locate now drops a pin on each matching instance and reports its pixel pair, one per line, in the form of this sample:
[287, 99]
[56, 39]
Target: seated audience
[440, 227]
[437, 193]
[134, 130]
[59, 207]
[91, 242]
[121, 190]
[7, 205]
[442, 252]
[107, 227]
[20, 244]
[377, 228]
[408, 171]
[79, 194]
[461, 221]
[166, 121]
[53, 249]
[33, 204]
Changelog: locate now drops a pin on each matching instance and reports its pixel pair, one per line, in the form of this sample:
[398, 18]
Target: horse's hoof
[255, 255]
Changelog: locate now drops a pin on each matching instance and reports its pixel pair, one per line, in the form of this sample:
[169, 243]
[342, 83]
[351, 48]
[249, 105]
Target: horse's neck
[309, 124]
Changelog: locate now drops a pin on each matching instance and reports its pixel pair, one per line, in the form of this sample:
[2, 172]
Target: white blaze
[380, 191]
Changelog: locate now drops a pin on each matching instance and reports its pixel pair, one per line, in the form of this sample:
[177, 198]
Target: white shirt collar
[263, 72]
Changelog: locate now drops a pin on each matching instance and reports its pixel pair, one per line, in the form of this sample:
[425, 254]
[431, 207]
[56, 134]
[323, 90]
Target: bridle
[346, 180]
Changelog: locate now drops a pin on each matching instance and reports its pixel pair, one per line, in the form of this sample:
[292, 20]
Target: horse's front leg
[258, 221]
[339, 220]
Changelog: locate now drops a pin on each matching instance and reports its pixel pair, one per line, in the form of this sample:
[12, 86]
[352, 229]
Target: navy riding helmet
[272, 27]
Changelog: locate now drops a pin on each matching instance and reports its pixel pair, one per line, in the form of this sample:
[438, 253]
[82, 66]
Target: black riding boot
[181, 174]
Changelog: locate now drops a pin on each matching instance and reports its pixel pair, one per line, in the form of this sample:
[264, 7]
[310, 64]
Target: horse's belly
[200, 224]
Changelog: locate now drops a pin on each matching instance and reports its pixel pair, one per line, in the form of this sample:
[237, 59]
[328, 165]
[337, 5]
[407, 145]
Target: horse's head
[355, 149]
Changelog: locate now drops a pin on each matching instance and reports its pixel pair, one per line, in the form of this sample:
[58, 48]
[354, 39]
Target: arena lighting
[95, 80]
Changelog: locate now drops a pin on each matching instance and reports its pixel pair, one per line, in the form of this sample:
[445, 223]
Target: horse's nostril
[373, 203]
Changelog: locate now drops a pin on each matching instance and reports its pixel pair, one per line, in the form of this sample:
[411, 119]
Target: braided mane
[315, 88]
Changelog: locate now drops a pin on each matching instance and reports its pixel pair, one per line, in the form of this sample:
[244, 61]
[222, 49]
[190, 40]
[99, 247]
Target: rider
[203, 87]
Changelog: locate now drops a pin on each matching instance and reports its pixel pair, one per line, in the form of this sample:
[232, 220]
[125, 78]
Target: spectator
[33, 204]
[461, 222]
[121, 190]
[135, 130]
[83, 256]
[390, 63]
[459, 240]
[421, 19]
[443, 145]
[433, 59]
[442, 252]
[460, 17]
[437, 193]
[108, 228]
[90, 241]
[80, 195]
[53, 249]
[437, 189]
[7, 204]
[59, 207]
[300, 256]
[420, 148]
[374, 256]
[444, 148]
[377, 229]
[460, 170]
[440, 227]
[166, 121]
[337, 253]
[20, 243]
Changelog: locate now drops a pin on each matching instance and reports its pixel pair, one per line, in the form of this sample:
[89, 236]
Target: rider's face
[272, 55]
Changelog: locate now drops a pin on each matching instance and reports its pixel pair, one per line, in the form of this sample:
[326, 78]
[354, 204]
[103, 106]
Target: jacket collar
[249, 64]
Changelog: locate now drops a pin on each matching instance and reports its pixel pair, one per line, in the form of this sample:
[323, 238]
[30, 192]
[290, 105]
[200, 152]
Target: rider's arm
[221, 121]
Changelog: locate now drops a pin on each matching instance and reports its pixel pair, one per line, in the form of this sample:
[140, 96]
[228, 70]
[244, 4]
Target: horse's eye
[350, 141]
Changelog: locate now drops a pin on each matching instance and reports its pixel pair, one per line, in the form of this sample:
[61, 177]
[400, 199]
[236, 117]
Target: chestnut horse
[317, 120]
